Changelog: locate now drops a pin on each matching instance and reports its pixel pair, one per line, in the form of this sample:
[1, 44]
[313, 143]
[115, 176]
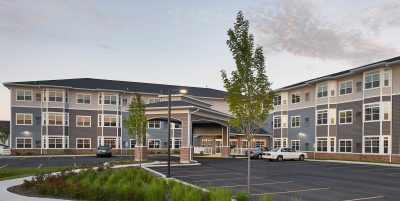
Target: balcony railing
[238, 151]
[204, 150]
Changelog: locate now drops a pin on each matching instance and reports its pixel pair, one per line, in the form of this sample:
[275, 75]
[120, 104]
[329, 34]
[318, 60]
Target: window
[154, 100]
[307, 95]
[386, 144]
[296, 145]
[295, 121]
[83, 98]
[124, 102]
[371, 145]
[177, 143]
[307, 122]
[296, 97]
[371, 80]
[332, 144]
[245, 143]
[24, 95]
[277, 121]
[83, 143]
[345, 146]
[109, 120]
[280, 142]
[154, 144]
[23, 119]
[109, 99]
[359, 86]
[386, 109]
[386, 75]
[372, 112]
[133, 143]
[155, 124]
[24, 142]
[346, 87]
[54, 142]
[83, 121]
[38, 97]
[322, 90]
[55, 119]
[206, 143]
[322, 117]
[277, 100]
[322, 144]
[346, 117]
[260, 143]
[110, 142]
[55, 96]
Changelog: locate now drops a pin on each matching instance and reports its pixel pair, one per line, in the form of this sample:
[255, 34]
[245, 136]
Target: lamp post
[182, 91]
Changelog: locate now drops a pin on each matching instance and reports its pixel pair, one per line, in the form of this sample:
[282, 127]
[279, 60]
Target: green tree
[137, 122]
[248, 90]
[4, 134]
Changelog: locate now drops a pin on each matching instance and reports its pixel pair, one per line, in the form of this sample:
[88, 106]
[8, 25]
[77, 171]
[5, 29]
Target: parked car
[103, 151]
[256, 152]
[281, 154]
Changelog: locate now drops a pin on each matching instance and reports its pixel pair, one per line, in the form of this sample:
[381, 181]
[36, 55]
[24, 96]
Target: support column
[140, 152]
[226, 148]
[187, 150]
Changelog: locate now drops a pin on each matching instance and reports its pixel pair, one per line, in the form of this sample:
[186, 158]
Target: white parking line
[262, 184]
[172, 171]
[74, 164]
[22, 158]
[378, 169]
[199, 175]
[3, 166]
[41, 164]
[238, 178]
[368, 198]
[293, 191]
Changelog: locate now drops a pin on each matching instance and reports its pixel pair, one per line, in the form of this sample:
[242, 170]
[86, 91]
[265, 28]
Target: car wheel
[280, 158]
[97, 155]
[259, 156]
[301, 158]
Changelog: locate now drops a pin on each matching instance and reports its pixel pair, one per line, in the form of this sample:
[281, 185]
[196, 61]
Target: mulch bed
[32, 193]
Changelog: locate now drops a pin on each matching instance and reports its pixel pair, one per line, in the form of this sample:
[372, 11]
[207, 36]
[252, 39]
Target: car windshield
[103, 148]
[275, 149]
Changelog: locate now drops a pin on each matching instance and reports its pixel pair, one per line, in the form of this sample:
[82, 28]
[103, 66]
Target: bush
[267, 197]
[242, 196]
[222, 194]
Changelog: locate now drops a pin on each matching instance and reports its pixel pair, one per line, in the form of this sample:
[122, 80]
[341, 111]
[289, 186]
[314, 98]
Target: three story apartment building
[353, 111]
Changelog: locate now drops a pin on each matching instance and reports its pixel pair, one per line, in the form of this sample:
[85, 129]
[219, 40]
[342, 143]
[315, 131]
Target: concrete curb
[356, 162]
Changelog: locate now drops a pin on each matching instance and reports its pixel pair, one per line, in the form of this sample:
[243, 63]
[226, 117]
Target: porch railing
[205, 150]
[238, 151]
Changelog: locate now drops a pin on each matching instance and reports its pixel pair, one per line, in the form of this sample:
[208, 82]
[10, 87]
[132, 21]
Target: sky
[184, 42]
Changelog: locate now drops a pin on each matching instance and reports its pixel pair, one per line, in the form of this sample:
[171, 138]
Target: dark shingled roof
[180, 104]
[340, 73]
[90, 83]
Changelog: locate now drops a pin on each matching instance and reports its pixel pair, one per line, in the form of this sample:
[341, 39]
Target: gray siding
[350, 131]
[372, 128]
[396, 124]
[322, 131]
[372, 100]
[33, 131]
[306, 132]
[83, 132]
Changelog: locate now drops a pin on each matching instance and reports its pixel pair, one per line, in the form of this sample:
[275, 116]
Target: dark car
[256, 152]
[103, 151]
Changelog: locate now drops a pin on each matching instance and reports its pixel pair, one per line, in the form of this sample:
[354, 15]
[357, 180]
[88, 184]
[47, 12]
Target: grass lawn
[12, 173]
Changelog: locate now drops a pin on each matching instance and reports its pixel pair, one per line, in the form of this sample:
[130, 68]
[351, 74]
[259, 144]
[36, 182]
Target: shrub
[222, 194]
[267, 197]
[242, 196]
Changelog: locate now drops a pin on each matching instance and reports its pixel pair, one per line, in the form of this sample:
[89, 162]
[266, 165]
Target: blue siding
[33, 131]
[308, 131]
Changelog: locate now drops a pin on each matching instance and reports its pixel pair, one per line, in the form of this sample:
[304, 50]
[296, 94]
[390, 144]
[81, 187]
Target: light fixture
[26, 132]
[302, 134]
[183, 91]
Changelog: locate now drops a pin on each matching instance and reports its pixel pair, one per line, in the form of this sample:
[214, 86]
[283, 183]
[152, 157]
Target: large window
[155, 124]
[55, 119]
[245, 143]
[345, 117]
[280, 142]
[322, 117]
[83, 98]
[295, 145]
[322, 90]
[295, 121]
[110, 99]
[371, 80]
[23, 119]
[83, 143]
[154, 100]
[83, 121]
[296, 97]
[322, 144]
[108, 120]
[55, 142]
[277, 100]
[110, 142]
[154, 143]
[55, 96]
[277, 121]
[371, 145]
[372, 112]
[385, 144]
[345, 146]
[260, 143]
[133, 143]
[24, 142]
[24, 95]
[177, 143]
[346, 87]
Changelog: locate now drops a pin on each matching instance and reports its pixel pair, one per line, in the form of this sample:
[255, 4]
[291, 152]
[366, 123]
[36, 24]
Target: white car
[281, 154]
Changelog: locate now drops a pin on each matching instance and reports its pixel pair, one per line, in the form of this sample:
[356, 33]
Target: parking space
[66, 161]
[308, 180]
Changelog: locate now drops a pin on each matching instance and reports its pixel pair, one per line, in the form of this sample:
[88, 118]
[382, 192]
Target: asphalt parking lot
[307, 180]
[71, 161]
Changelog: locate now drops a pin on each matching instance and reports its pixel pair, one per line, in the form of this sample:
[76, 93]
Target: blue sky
[184, 42]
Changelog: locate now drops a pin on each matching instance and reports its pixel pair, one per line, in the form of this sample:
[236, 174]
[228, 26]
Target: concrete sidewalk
[357, 162]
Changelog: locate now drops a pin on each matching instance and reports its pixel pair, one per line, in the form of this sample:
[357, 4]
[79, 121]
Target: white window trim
[291, 121]
[291, 145]
[380, 113]
[297, 93]
[159, 100]
[84, 94]
[90, 143]
[327, 144]
[380, 144]
[281, 140]
[55, 91]
[280, 103]
[25, 114]
[364, 82]
[148, 144]
[90, 121]
[327, 117]
[263, 142]
[16, 95]
[17, 138]
[130, 143]
[100, 120]
[327, 91]
[104, 99]
[352, 116]
[63, 139]
[148, 125]
[273, 121]
[352, 88]
[340, 140]
[46, 118]
[389, 72]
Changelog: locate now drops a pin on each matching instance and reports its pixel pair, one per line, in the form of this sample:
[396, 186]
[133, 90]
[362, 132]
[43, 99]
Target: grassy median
[12, 173]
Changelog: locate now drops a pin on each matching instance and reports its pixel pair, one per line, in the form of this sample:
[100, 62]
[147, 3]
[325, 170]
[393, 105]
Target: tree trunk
[248, 170]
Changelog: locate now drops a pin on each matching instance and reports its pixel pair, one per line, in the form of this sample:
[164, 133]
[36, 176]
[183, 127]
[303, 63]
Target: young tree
[248, 90]
[137, 122]
[4, 134]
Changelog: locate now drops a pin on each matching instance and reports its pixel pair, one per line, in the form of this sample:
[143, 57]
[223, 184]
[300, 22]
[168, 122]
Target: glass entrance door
[218, 145]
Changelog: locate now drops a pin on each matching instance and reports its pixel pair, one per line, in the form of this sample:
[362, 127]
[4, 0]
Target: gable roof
[123, 86]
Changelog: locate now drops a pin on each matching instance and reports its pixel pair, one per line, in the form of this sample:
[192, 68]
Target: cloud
[177, 15]
[300, 28]
[385, 14]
